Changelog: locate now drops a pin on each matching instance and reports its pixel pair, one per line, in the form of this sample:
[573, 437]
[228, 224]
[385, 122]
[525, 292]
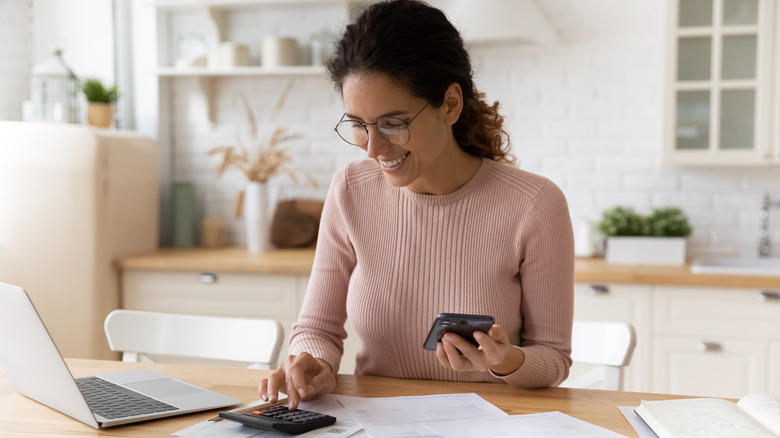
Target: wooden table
[22, 417]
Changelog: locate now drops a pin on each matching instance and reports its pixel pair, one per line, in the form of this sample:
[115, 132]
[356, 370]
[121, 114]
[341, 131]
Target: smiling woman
[436, 221]
[429, 160]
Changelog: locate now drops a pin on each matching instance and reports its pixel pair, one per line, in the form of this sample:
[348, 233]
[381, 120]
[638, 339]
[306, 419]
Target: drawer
[223, 294]
[742, 313]
[710, 366]
[612, 302]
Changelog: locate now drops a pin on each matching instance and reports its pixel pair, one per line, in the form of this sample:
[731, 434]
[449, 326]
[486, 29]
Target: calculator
[281, 418]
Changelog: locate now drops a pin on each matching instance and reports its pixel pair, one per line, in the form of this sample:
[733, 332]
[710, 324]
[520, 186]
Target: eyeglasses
[392, 129]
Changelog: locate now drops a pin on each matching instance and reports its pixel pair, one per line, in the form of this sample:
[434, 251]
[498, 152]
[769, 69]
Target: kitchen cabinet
[725, 334]
[620, 303]
[696, 333]
[720, 342]
[225, 293]
[721, 103]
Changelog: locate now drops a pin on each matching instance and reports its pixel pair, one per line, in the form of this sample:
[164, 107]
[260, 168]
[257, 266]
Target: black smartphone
[460, 323]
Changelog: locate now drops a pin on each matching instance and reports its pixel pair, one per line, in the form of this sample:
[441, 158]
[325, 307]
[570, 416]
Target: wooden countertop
[299, 262]
[280, 261]
[597, 270]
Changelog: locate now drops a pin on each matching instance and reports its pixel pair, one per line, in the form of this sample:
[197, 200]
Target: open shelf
[228, 4]
[293, 70]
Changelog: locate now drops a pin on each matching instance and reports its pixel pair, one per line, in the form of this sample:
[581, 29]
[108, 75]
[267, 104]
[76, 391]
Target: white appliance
[72, 200]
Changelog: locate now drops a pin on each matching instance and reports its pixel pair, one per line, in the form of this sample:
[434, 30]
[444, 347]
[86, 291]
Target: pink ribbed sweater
[390, 260]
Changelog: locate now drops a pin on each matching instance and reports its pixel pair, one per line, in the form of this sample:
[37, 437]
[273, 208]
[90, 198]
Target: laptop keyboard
[110, 400]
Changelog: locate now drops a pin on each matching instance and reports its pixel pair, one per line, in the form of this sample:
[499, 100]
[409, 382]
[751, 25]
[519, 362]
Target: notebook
[33, 366]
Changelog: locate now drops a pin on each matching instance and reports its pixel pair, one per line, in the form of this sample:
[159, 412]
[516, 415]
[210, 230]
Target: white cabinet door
[709, 366]
[719, 78]
[713, 341]
[621, 303]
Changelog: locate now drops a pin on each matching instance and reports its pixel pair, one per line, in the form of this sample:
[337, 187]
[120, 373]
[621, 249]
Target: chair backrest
[138, 334]
[609, 345]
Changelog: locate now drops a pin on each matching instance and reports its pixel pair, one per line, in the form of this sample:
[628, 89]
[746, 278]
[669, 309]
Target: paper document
[431, 416]
[546, 424]
[418, 409]
[391, 417]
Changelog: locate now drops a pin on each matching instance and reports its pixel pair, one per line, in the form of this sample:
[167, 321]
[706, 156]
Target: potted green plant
[100, 100]
[657, 239]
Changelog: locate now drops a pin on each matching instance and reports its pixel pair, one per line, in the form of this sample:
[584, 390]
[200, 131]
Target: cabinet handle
[767, 295]
[597, 289]
[207, 278]
[709, 346]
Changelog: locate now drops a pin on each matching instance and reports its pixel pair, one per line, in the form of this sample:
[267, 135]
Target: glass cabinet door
[718, 82]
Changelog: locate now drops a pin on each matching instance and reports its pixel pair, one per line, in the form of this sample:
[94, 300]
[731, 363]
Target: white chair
[208, 339]
[609, 345]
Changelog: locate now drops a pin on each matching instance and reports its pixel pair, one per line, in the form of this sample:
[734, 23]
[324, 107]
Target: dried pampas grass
[259, 161]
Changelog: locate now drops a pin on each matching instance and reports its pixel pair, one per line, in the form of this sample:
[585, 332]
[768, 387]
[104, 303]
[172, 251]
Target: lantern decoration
[55, 92]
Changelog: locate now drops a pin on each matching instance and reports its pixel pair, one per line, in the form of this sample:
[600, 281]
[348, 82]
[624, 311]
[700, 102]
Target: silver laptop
[32, 364]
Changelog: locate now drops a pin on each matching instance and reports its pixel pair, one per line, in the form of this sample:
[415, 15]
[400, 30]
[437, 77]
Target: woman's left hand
[495, 352]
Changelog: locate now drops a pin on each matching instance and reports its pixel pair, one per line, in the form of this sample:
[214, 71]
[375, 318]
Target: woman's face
[421, 163]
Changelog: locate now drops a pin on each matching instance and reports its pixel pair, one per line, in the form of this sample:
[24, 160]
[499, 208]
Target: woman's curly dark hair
[416, 45]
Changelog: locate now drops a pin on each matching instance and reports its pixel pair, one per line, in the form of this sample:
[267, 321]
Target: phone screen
[463, 324]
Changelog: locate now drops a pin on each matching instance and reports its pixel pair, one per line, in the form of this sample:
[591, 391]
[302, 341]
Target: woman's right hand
[302, 378]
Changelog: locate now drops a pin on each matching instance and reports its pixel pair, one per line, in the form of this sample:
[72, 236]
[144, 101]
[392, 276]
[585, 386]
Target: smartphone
[460, 323]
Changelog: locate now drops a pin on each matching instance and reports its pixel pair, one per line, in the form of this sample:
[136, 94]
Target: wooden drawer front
[728, 368]
[724, 312]
[259, 296]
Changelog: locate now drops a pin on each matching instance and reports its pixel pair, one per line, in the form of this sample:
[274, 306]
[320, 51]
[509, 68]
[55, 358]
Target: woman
[435, 221]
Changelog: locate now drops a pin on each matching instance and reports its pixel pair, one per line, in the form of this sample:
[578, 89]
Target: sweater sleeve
[547, 281]
[320, 326]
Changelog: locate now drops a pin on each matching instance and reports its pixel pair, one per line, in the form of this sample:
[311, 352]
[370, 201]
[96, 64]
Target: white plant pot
[257, 214]
[646, 250]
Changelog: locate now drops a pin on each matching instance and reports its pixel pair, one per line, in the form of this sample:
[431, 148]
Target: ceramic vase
[183, 197]
[257, 214]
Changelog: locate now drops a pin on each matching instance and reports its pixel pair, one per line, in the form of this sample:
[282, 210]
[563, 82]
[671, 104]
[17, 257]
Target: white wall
[29, 28]
[587, 114]
[82, 28]
[14, 57]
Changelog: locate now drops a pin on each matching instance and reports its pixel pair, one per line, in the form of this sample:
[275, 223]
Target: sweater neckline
[455, 196]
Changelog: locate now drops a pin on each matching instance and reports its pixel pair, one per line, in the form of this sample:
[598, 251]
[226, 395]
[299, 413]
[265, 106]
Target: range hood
[500, 21]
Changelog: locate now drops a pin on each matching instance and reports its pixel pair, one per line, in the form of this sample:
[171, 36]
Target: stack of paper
[432, 416]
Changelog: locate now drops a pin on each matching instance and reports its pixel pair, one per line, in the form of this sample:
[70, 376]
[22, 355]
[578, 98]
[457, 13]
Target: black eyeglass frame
[365, 126]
